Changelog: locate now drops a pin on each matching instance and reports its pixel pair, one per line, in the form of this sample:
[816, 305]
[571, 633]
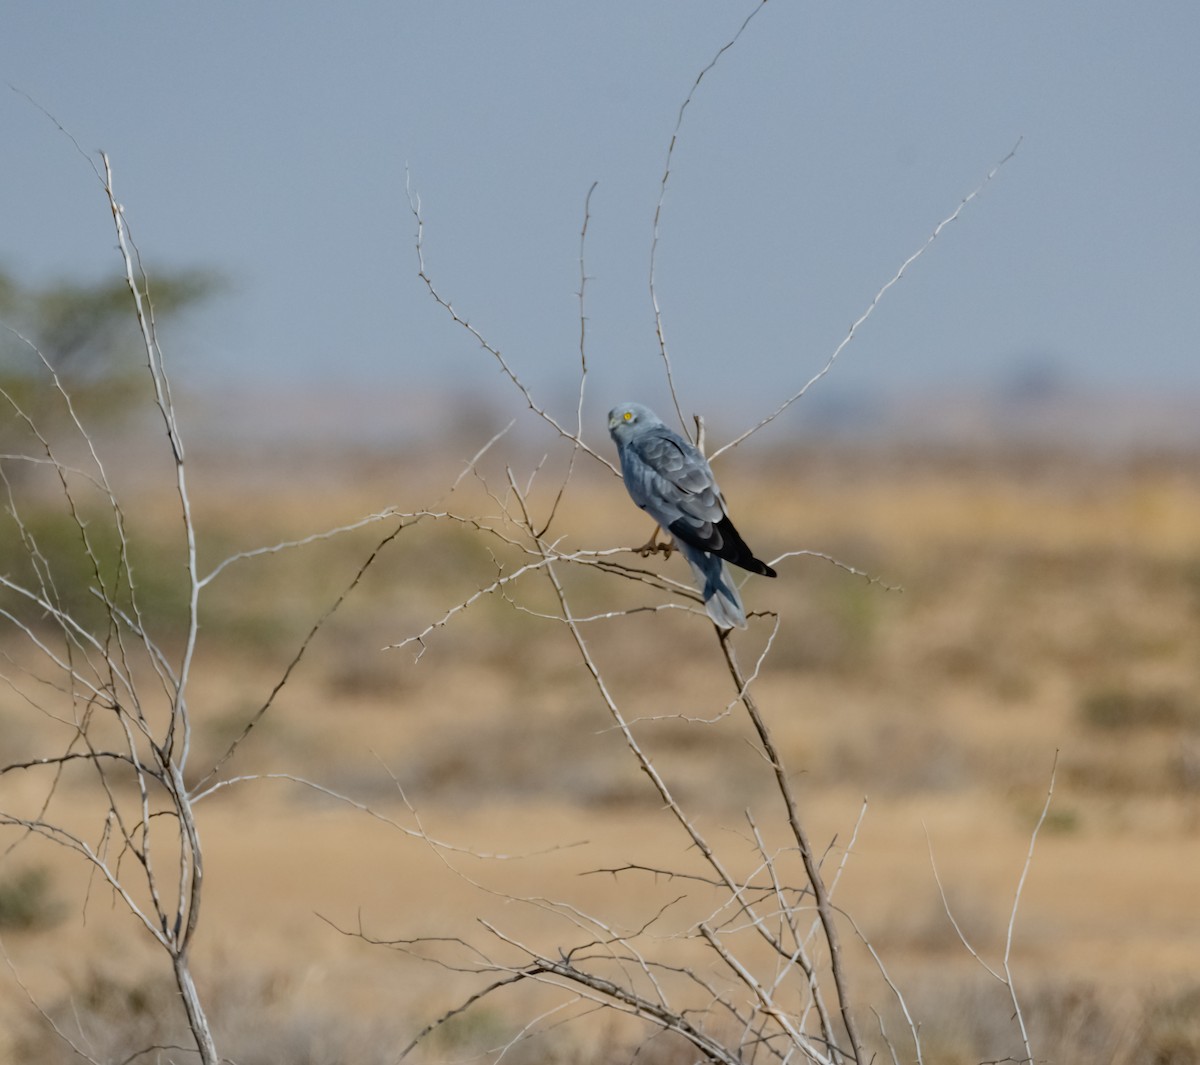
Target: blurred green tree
[88, 334]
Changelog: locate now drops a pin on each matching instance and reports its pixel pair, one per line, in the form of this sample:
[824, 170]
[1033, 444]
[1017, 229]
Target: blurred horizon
[814, 157]
[1058, 413]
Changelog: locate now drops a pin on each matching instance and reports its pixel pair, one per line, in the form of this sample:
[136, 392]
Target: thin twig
[55, 1027]
[913, 1027]
[423, 273]
[812, 871]
[583, 367]
[861, 320]
[316, 627]
[304, 541]
[766, 1003]
[658, 208]
[1012, 917]
[845, 566]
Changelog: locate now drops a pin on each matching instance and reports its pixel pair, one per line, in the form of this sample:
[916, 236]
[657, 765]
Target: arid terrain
[1028, 617]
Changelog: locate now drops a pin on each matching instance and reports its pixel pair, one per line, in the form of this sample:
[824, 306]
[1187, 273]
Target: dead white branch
[862, 319]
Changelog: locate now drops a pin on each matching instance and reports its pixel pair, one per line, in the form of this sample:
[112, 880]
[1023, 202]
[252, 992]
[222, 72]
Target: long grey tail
[721, 598]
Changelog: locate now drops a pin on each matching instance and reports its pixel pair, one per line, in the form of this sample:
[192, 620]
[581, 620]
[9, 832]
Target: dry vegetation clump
[260, 1020]
[264, 1021]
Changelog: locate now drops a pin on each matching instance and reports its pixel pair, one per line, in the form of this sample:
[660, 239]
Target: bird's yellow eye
[628, 415]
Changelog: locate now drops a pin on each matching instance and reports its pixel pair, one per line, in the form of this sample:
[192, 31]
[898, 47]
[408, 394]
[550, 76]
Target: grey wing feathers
[671, 481]
[675, 485]
[676, 479]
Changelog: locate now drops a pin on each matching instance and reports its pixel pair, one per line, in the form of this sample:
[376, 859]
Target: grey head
[625, 420]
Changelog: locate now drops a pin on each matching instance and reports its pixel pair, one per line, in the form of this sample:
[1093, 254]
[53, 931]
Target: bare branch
[913, 1028]
[766, 1003]
[861, 320]
[1012, 917]
[462, 1007]
[852, 570]
[824, 905]
[257, 716]
[415, 205]
[57, 1029]
[583, 367]
[658, 207]
[418, 833]
[962, 938]
[286, 545]
[469, 466]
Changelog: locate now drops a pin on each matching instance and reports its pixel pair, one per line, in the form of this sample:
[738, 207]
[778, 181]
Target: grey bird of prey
[672, 481]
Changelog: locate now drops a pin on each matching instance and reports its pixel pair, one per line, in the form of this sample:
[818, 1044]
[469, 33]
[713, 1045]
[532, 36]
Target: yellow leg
[653, 547]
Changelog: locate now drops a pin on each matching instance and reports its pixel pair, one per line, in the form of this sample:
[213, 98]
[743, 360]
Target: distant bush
[142, 1021]
[49, 541]
[262, 1023]
[26, 901]
[1172, 1029]
[1120, 708]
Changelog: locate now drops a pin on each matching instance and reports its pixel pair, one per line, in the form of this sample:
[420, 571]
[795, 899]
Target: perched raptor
[672, 482]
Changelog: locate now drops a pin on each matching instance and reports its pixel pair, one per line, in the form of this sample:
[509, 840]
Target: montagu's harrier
[672, 482]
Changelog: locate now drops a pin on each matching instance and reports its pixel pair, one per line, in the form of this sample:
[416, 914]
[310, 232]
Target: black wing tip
[725, 542]
[755, 565]
[748, 562]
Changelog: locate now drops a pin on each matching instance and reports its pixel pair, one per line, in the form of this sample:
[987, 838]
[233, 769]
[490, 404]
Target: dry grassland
[1025, 603]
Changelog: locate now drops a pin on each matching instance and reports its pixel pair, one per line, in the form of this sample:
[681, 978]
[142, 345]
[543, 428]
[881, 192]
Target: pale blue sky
[270, 141]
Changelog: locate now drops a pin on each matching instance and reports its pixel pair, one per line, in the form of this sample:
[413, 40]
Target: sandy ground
[1046, 607]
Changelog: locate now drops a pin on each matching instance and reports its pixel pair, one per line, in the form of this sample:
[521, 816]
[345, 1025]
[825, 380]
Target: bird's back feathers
[671, 480]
